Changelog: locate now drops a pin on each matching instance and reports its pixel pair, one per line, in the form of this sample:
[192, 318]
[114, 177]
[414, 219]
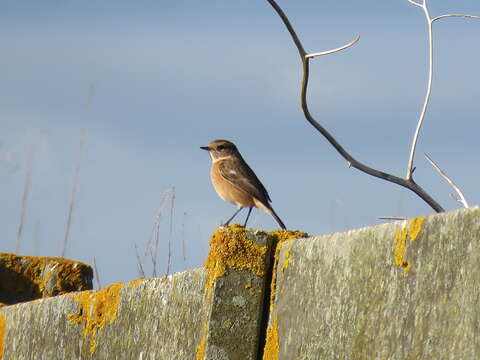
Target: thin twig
[414, 3]
[442, 173]
[427, 95]
[392, 218]
[80, 153]
[421, 119]
[346, 46]
[455, 15]
[351, 161]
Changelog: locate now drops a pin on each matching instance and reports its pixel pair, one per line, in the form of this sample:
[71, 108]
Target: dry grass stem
[26, 192]
[78, 160]
[97, 274]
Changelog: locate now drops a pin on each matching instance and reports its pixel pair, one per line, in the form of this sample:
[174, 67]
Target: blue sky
[172, 76]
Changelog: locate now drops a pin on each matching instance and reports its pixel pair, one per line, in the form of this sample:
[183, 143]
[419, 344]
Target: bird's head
[220, 149]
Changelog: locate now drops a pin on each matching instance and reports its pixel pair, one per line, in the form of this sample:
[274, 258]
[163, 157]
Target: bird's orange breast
[228, 191]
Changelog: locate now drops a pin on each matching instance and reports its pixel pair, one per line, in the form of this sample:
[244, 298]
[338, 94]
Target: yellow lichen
[231, 248]
[135, 282]
[35, 273]
[200, 354]
[3, 328]
[399, 250]
[401, 243]
[272, 345]
[286, 259]
[96, 308]
[416, 227]
[280, 236]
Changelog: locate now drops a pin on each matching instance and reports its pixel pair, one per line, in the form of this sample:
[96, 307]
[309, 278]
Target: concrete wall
[408, 290]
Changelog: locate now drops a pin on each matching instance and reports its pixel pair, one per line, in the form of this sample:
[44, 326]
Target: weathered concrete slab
[212, 313]
[238, 266]
[409, 290]
[26, 278]
[147, 319]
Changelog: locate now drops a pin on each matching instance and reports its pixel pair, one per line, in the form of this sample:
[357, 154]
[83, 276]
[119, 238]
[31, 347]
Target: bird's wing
[237, 172]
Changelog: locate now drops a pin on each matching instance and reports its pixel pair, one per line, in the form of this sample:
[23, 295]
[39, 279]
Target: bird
[235, 182]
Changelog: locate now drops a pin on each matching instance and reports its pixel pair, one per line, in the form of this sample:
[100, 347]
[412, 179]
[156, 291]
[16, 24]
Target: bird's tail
[265, 206]
[275, 216]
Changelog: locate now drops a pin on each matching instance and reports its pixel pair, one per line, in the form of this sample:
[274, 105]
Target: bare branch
[414, 3]
[290, 29]
[450, 181]
[455, 15]
[351, 161]
[346, 46]
[427, 95]
[421, 119]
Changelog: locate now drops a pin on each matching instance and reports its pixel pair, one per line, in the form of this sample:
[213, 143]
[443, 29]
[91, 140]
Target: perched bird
[235, 182]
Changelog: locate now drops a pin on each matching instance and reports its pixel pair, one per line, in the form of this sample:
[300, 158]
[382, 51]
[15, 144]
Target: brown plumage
[236, 182]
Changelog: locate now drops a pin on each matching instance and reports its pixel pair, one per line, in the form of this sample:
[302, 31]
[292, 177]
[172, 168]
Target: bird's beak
[205, 148]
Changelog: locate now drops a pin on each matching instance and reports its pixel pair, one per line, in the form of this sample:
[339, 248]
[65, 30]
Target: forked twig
[421, 119]
[442, 173]
[407, 183]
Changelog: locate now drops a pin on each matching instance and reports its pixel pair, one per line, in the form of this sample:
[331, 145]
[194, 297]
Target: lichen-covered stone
[407, 290]
[237, 266]
[148, 319]
[26, 278]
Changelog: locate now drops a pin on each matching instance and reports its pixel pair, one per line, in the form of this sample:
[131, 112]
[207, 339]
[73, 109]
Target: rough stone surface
[26, 278]
[409, 290]
[235, 304]
[150, 319]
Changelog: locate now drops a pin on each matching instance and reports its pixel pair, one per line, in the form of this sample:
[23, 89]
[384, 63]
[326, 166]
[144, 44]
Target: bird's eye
[220, 147]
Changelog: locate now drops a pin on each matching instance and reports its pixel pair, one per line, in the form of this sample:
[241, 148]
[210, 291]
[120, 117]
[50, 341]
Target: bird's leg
[248, 215]
[236, 212]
